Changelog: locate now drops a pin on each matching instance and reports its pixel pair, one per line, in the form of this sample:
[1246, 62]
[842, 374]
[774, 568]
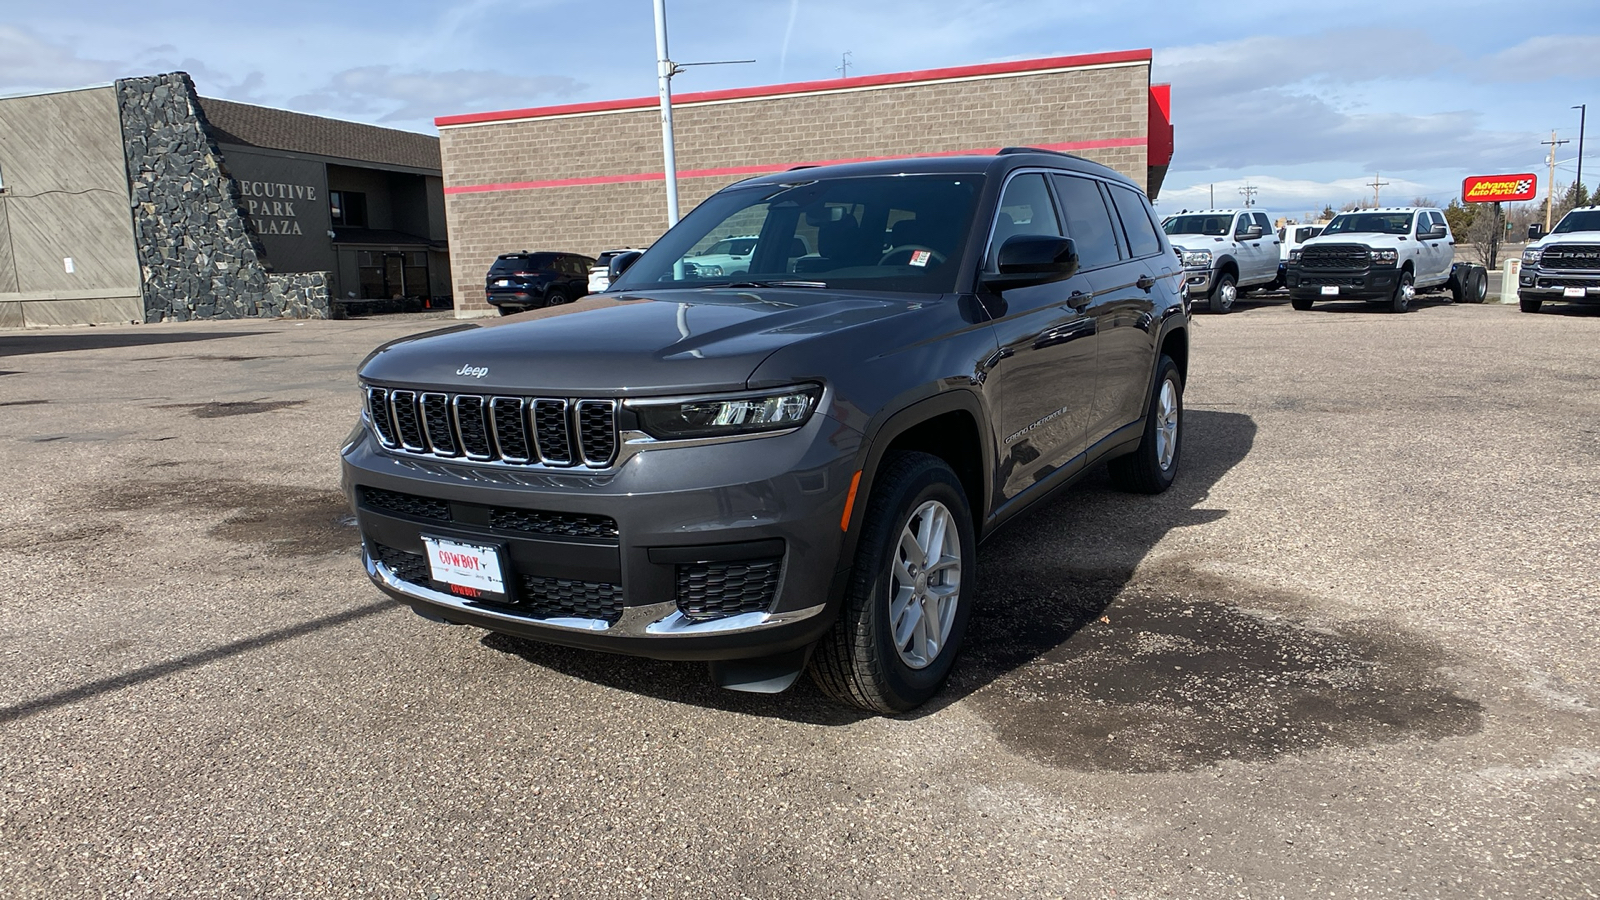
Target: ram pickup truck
[1563, 265]
[1385, 256]
[1225, 253]
[791, 466]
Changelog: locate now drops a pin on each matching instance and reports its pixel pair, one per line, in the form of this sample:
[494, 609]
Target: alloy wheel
[925, 585]
[1167, 425]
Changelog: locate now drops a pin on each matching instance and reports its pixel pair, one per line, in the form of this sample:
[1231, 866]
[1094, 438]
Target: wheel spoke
[909, 548]
[934, 547]
[908, 620]
[943, 563]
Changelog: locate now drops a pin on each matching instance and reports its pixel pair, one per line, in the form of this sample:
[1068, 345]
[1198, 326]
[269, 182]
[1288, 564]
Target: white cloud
[417, 96]
[1569, 57]
[32, 63]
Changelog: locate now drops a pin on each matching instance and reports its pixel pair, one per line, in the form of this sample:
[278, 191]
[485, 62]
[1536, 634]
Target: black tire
[1529, 304]
[508, 310]
[1400, 301]
[554, 297]
[1142, 471]
[1223, 294]
[857, 662]
[1478, 289]
[1460, 284]
[1301, 303]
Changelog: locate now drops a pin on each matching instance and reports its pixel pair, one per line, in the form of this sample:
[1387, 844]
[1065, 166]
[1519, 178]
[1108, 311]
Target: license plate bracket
[469, 568]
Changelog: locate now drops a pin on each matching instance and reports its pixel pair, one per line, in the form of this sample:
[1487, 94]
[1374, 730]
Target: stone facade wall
[197, 256]
[622, 151]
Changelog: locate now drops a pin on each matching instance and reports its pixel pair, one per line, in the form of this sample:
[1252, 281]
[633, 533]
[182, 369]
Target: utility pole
[1249, 191]
[843, 68]
[1213, 197]
[1583, 113]
[1550, 186]
[1376, 184]
[665, 69]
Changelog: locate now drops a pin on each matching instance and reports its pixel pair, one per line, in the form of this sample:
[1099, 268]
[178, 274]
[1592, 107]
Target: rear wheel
[1405, 291]
[1224, 294]
[906, 608]
[1478, 290]
[1529, 304]
[1460, 284]
[1152, 467]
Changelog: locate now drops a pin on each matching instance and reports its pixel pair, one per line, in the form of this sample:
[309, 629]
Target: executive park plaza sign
[1499, 188]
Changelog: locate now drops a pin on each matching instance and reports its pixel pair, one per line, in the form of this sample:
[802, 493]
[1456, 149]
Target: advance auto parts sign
[1499, 188]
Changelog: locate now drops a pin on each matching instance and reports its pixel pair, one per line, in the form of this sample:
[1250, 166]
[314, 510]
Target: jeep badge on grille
[474, 371]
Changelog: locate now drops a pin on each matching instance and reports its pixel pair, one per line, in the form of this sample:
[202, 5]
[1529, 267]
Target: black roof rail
[801, 166]
[1007, 151]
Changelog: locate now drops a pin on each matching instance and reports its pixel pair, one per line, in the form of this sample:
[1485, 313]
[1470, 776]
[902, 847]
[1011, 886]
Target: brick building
[589, 177]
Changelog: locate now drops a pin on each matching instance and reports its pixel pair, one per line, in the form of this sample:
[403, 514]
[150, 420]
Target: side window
[1261, 219]
[1025, 208]
[1089, 223]
[1142, 239]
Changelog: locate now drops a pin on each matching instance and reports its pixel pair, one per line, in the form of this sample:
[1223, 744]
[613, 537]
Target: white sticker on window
[920, 257]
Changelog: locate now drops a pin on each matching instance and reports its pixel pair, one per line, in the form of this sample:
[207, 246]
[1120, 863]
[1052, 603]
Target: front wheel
[907, 605]
[1529, 304]
[1224, 294]
[1404, 293]
[1151, 468]
[1301, 303]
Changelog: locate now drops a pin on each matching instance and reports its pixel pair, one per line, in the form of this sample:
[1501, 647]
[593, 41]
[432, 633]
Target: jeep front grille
[1335, 256]
[1571, 257]
[515, 430]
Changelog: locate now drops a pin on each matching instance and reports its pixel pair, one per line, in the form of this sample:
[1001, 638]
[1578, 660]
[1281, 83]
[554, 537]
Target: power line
[843, 68]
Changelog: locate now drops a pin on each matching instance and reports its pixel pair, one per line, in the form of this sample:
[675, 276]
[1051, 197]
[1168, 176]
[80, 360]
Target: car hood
[1571, 237]
[1366, 239]
[1198, 242]
[632, 343]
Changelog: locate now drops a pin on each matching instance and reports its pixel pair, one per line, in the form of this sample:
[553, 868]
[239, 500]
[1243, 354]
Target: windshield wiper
[772, 284]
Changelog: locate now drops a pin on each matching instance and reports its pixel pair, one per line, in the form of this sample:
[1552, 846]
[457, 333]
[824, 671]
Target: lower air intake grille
[541, 522]
[558, 598]
[719, 589]
[405, 504]
[412, 567]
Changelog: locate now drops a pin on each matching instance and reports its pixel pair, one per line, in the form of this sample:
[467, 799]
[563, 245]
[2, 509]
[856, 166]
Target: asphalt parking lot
[1350, 654]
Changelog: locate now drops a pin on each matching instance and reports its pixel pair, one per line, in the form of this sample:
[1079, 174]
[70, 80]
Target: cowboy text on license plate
[465, 565]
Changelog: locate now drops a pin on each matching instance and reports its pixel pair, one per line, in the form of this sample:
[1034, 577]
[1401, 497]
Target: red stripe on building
[804, 87]
[766, 169]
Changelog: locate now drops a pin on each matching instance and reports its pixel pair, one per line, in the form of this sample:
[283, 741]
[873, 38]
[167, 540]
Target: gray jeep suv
[793, 465]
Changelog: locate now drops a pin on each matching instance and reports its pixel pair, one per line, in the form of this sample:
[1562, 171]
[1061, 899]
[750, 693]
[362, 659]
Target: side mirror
[1535, 231]
[1029, 259]
[1437, 232]
[621, 262]
[1254, 231]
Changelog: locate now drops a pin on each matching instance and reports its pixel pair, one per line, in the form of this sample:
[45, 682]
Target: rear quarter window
[1142, 238]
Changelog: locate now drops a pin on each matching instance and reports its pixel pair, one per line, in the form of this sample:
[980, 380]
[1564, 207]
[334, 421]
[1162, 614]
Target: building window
[349, 208]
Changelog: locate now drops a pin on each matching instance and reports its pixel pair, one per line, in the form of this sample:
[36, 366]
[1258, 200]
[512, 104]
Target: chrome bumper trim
[657, 620]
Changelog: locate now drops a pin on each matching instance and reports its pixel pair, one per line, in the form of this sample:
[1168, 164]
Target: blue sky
[1304, 100]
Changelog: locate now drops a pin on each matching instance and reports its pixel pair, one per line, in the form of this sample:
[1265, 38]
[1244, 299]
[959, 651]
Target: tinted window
[1215, 225]
[1142, 238]
[1088, 221]
[1578, 220]
[888, 232]
[533, 262]
[1370, 223]
[1025, 208]
[1261, 219]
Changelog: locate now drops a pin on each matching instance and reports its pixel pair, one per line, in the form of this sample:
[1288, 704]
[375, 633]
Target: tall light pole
[1583, 113]
[665, 69]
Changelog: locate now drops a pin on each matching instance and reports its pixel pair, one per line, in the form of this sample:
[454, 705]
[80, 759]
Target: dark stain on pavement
[297, 521]
[218, 410]
[1185, 671]
[23, 402]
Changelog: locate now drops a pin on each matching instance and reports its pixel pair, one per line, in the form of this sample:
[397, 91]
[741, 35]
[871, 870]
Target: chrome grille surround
[517, 431]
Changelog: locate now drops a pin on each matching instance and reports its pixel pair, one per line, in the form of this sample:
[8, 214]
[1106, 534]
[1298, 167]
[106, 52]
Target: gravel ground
[1349, 655]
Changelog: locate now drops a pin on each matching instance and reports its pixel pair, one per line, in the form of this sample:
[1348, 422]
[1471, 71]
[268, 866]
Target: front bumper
[1546, 284]
[1197, 282]
[718, 551]
[1348, 284]
[522, 299]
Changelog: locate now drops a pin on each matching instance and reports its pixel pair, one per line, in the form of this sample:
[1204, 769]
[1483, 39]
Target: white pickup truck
[1384, 255]
[1564, 264]
[1225, 253]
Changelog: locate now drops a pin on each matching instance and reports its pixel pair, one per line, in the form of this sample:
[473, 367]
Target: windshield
[888, 233]
[1370, 223]
[1578, 220]
[1213, 225]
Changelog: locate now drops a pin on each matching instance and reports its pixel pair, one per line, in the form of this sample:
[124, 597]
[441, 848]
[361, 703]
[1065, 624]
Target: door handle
[1079, 301]
[1145, 283]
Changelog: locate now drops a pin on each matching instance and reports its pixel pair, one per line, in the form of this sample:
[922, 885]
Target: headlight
[1385, 257]
[1294, 255]
[1530, 256]
[730, 414]
[1196, 258]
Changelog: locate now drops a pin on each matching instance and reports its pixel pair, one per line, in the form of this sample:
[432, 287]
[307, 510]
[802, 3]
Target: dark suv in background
[519, 281]
[792, 465]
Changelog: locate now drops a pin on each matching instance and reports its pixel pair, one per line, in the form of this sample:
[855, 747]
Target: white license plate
[472, 566]
[1574, 292]
[1330, 290]
[504, 282]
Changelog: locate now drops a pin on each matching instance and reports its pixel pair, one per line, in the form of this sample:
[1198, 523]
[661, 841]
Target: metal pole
[664, 72]
[1583, 113]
